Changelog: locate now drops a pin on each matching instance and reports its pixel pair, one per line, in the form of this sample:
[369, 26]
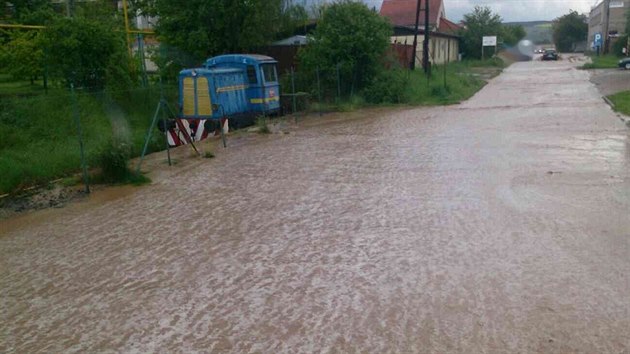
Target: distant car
[625, 63]
[550, 54]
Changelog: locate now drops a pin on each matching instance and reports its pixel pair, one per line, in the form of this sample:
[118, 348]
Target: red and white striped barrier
[184, 131]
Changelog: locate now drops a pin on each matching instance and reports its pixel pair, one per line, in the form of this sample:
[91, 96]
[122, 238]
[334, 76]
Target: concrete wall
[618, 16]
[597, 19]
[438, 48]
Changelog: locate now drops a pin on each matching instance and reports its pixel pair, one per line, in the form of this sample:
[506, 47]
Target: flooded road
[501, 225]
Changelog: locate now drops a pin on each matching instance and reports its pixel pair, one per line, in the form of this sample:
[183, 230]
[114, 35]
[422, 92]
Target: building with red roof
[443, 34]
[403, 12]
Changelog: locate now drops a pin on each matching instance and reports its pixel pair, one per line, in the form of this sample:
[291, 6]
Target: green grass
[39, 140]
[621, 101]
[11, 87]
[463, 80]
[494, 62]
[602, 62]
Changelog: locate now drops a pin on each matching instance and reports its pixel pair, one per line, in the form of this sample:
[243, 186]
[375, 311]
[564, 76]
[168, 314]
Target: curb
[623, 118]
[607, 100]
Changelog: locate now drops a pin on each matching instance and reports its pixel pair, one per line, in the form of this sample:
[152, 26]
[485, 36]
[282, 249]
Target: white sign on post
[490, 41]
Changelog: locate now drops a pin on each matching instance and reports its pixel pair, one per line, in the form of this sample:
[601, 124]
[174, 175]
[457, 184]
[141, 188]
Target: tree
[568, 30]
[191, 31]
[511, 34]
[352, 35]
[83, 52]
[31, 12]
[22, 55]
[203, 28]
[481, 22]
[292, 17]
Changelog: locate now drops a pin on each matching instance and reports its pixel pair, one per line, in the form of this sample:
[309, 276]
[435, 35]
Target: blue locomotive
[229, 91]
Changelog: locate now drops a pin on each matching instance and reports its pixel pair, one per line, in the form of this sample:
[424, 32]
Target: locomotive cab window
[251, 75]
[269, 72]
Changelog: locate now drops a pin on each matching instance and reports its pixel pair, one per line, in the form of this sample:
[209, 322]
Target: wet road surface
[499, 225]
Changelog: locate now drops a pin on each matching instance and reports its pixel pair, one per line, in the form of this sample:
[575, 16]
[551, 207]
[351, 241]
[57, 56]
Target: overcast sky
[510, 10]
[519, 10]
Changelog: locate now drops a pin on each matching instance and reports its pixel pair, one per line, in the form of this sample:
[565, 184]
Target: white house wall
[438, 48]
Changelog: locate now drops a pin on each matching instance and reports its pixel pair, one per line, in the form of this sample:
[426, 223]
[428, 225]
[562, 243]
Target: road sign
[489, 41]
[598, 39]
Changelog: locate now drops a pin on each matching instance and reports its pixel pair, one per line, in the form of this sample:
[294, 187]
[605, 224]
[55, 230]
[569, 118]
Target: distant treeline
[539, 32]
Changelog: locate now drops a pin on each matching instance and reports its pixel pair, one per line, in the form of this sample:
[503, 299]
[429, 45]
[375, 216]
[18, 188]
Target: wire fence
[320, 88]
[48, 136]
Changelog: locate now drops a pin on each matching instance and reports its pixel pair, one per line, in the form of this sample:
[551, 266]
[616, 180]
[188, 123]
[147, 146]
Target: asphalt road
[501, 225]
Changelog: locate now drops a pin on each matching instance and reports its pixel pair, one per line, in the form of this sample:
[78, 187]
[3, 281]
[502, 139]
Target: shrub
[86, 52]
[617, 48]
[350, 38]
[113, 161]
[388, 86]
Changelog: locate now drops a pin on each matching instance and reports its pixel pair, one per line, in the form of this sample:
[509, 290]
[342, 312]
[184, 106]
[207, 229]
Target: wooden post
[412, 65]
[425, 45]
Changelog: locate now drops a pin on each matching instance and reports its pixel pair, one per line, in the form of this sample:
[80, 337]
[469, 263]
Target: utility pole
[425, 44]
[606, 26]
[412, 65]
[127, 29]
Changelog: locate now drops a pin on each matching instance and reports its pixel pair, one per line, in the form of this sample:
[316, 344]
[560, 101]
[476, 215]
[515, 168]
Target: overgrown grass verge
[8, 86]
[602, 62]
[448, 84]
[39, 137]
[460, 82]
[621, 101]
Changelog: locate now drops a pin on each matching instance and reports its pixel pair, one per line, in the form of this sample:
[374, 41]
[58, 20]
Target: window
[251, 75]
[269, 72]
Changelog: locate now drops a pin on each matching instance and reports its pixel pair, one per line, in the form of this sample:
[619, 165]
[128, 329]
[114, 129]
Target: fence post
[354, 76]
[45, 72]
[77, 120]
[164, 116]
[319, 93]
[293, 92]
[448, 59]
[143, 64]
[338, 85]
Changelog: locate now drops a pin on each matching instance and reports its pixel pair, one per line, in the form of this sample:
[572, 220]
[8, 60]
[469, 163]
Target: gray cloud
[519, 10]
[510, 10]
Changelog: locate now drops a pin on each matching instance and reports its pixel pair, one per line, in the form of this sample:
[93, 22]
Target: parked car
[550, 54]
[624, 63]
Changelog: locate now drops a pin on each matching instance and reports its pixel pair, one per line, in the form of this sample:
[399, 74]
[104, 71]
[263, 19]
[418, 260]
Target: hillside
[539, 32]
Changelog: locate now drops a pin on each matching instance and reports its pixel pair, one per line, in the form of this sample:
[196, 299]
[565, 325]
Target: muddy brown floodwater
[501, 225]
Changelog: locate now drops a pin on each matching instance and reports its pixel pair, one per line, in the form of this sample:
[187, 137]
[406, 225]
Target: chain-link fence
[319, 89]
[54, 135]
